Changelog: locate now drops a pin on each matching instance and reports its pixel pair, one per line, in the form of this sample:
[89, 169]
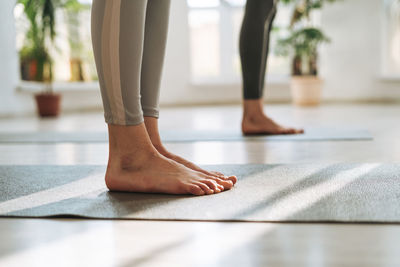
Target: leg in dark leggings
[254, 45]
[254, 48]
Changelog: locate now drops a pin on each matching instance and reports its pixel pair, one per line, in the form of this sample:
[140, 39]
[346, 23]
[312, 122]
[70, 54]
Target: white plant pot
[306, 90]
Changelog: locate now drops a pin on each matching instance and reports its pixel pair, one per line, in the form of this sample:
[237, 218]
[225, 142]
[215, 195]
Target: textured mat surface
[311, 134]
[294, 192]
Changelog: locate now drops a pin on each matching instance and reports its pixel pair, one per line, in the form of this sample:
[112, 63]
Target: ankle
[151, 125]
[129, 146]
[252, 108]
[253, 116]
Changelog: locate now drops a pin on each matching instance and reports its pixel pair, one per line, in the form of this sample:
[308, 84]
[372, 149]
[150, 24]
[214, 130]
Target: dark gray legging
[254, 45]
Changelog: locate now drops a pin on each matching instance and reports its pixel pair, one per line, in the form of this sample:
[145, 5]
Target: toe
[232, 178]
[220, 186]
[212, 184]
[227, 184]
[205, 188]
[296, 131]
[289, 131]
[195, 190]
[224, 183]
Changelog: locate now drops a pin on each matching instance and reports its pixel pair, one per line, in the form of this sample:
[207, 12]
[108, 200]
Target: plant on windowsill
[302, 44]
[35, 59]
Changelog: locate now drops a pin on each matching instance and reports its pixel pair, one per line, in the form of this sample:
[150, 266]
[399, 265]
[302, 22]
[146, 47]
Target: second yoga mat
[177, 136]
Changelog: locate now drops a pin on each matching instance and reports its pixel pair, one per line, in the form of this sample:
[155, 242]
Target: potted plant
[35, 59]
[302, 44]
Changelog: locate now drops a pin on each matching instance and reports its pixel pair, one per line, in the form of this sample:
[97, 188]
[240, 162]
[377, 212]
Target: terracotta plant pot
[48, 104]
[306, 90]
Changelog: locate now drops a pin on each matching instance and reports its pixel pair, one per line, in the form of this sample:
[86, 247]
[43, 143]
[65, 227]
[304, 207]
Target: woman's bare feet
[256, 122]
[136, 166]
[152, 129]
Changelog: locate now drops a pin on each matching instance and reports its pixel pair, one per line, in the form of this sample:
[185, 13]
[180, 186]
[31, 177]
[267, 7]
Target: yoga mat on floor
[54, 137]
[311, 134]
[265, 193]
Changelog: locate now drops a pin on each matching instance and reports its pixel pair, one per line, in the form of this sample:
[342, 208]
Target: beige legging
[129, 38]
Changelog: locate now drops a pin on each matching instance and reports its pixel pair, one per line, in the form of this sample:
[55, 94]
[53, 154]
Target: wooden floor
[61, 242]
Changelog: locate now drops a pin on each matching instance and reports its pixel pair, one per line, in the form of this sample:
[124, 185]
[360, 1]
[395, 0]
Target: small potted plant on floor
[302, 44]
[36, 63]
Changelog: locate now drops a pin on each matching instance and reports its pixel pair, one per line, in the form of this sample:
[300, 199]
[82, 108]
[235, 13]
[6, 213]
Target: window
[214, 40]
[391, 40]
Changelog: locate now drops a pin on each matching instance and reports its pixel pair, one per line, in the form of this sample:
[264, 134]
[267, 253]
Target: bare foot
[261, 124]
[138, 167]
[161, 175]
[151, 124]
[256, 122]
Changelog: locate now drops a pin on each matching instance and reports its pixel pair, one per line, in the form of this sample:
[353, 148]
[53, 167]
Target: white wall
[10, 101]
[351, 64]
[176, 74]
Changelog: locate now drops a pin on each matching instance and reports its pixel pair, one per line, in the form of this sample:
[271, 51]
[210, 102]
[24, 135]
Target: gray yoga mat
[311, 134]
[266, 193]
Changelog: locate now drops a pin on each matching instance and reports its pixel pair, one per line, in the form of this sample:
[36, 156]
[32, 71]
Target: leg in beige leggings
[118, 34]
[156, 29]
